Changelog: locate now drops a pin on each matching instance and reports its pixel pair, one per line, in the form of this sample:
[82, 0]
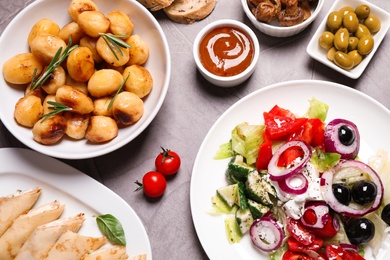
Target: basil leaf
[112, 229]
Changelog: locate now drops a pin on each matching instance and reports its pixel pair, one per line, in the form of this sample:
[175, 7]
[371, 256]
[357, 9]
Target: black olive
[386, 214]
[342, 193]
[346, 135]
[364, 192]
[360, 230]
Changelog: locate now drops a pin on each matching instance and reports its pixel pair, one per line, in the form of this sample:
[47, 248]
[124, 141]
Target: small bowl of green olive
[349, 36]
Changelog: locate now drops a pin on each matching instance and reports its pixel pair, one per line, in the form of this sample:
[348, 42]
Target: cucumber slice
[229, 194]
[244, 219]
[238, 168]
[241, 198]
[232, 230]
[257, 209]
[259, 189]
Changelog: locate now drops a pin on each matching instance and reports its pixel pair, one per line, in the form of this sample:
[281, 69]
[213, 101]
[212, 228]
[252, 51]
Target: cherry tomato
[289, 255]
[153, 184]
[167, 162]
[299, 232]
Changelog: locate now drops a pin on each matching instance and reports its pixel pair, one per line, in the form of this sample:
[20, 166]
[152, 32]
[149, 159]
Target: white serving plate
[21, 169]
[14, 41]
[208, 174]
[319, 54]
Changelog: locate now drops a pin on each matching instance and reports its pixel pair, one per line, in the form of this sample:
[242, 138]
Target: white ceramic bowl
[14, 41]
[275, 29]
[229, 81]
[320, 54]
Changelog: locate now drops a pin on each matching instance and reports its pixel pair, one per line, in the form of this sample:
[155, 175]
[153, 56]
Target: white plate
[23, 169]
[208, 175]
[319, 54]
[14, 41]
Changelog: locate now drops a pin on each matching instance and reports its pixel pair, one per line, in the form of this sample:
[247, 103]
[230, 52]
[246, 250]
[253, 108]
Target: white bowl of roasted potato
[82, 78]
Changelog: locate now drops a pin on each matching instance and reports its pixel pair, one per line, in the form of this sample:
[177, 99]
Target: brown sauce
[226, 51]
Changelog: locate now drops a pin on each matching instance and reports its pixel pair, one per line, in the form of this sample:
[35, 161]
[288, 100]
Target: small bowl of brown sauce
[226, 52]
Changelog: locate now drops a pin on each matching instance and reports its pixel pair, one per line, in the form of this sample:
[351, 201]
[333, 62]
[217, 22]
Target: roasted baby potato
[80, 64]
[101, 129]
[20, 68]
[127, 108]
[75, 99]
[104, 83]
[49, 131]
[28, 110]
[139, 82]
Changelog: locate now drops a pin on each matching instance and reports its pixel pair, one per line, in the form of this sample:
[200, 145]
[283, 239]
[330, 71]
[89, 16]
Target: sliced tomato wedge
[289, 255]
[312, 132]
[299, 232]
[281, 123]
[290, 155]
[295, 246]
[334, 252]
[318, 130]
[265, 153]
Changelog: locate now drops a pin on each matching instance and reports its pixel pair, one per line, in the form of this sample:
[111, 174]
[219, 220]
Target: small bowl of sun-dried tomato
[282, 18]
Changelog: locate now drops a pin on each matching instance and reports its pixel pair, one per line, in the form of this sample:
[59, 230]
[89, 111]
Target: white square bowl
[320, 54]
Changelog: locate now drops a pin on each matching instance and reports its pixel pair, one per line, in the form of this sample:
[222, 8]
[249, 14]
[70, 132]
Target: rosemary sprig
[55, 62]
[116, 94]
[57, 108]
[114, 41]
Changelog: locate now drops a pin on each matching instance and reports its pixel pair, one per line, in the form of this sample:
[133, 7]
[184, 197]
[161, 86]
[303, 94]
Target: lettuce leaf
[246, 140]
[317, 109]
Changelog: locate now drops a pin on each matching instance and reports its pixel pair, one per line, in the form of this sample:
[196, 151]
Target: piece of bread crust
[155, 5]
[189, 11]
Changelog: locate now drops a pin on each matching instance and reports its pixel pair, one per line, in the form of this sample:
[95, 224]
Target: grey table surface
[191, 107]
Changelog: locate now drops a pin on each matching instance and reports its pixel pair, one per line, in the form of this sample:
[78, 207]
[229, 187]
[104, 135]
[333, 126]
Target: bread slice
[155, 5]
[189, 11]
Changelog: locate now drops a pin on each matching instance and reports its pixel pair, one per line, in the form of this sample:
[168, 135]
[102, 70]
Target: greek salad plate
[208, 174]
[22, 169]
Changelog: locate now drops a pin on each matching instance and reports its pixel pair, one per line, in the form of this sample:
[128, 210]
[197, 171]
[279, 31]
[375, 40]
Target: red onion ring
[333, 143]
[350, 210]
[287, 185]
[279, 173]
[266, 234]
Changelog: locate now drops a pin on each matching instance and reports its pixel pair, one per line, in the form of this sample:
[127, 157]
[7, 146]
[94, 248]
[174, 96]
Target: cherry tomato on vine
[167, 162]
[153, 184]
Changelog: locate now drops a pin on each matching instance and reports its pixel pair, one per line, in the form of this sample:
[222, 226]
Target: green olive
[334, 20]
[365, 45]
[331, 53]
[341, 39]
[356, 57]
[353, 43]
[361, 31]
[362, 11]
[373, 23]
[346, 9]
[343, 60]
[326, 40]
[351, 22]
